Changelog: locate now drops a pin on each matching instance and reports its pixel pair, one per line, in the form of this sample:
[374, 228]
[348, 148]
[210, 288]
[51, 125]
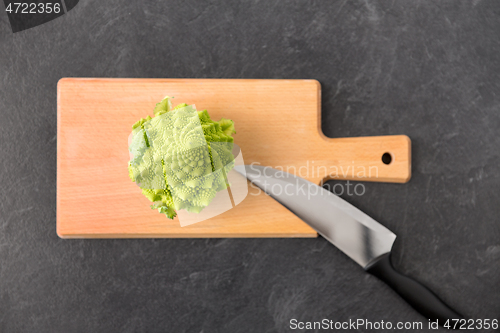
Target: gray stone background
[427, 69]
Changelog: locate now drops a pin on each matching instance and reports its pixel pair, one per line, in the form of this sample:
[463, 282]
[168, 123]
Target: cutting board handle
[376, 158]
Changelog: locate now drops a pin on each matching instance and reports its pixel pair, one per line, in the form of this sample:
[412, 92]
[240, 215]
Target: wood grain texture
[277, 123]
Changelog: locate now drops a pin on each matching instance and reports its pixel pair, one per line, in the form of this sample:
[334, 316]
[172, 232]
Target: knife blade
[352, 231]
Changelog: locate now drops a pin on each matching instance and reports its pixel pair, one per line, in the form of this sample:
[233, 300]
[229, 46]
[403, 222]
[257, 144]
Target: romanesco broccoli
[180, 156]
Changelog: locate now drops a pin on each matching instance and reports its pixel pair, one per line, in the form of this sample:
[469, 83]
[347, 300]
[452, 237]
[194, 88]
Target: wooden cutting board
[277, 124]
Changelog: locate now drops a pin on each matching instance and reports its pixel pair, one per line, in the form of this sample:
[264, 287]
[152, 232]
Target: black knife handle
[417, 295]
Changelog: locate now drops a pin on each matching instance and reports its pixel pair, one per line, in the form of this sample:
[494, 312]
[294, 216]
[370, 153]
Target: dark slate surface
[428, 70]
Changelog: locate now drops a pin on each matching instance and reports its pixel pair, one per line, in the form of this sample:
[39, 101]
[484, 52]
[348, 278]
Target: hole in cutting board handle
[387, 158]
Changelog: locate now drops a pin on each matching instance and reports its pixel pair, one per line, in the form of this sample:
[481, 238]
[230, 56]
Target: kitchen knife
[356, 234]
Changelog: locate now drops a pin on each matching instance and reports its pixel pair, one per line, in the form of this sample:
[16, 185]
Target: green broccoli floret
[180, 157]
